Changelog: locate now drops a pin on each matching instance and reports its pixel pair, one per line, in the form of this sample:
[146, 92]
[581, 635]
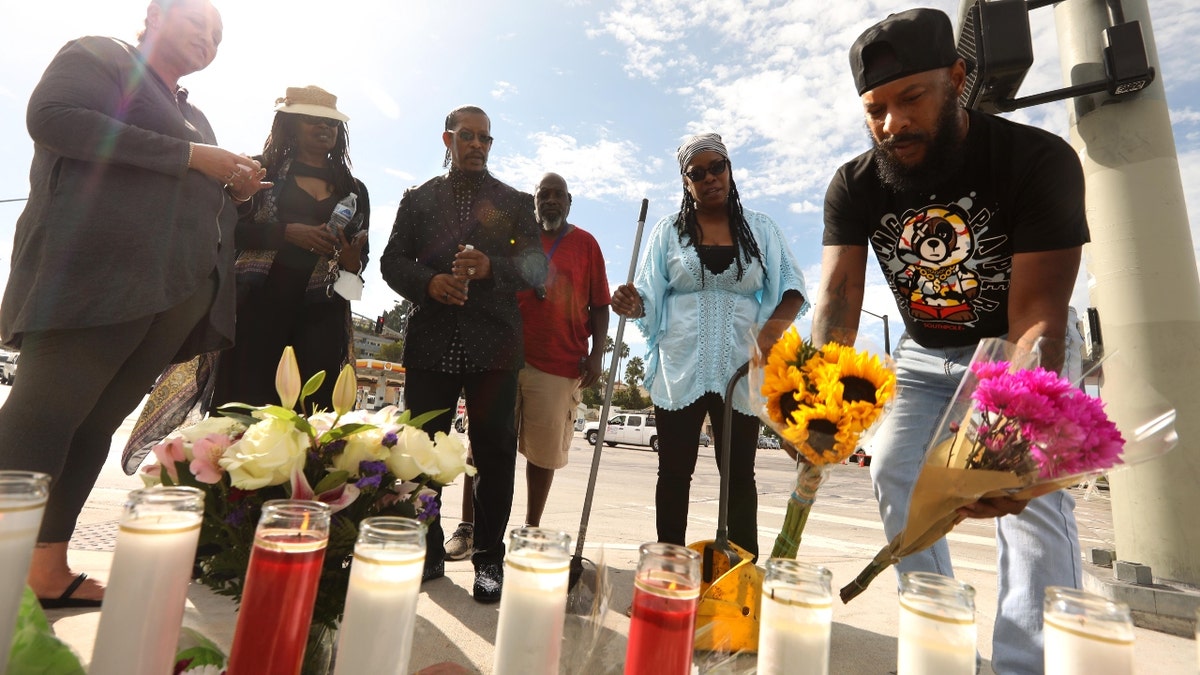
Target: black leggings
[678, 446]
[75, 388]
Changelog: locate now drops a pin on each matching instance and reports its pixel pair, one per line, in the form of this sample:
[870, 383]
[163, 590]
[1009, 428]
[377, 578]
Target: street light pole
[887, 338]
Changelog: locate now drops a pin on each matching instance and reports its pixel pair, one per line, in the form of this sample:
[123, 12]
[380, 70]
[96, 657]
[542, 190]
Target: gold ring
[470, 271]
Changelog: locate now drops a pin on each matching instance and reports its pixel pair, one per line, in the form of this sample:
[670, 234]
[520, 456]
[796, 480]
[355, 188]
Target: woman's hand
[312, 238]
[241, 174]
[627, 303]
[350, 256]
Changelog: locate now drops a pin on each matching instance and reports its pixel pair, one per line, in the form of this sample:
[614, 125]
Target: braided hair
[281, 145]
[745, 248]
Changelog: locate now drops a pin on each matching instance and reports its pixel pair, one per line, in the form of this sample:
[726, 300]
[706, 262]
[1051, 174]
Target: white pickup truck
[625, 429]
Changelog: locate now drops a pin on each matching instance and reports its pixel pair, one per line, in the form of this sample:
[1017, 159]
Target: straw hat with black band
[310, 100]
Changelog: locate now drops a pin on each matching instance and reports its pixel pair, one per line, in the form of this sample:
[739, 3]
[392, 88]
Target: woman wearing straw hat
[714, 274]
[292, 260]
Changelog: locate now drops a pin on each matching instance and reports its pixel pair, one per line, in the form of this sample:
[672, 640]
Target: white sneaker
[461, 544]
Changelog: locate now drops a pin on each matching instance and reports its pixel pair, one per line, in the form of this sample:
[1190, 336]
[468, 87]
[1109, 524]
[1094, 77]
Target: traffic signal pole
[1143, 280]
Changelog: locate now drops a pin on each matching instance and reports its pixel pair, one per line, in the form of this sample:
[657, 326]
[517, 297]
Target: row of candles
[159, 528]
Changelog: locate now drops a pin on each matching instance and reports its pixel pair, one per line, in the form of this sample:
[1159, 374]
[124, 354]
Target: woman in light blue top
[716, 279]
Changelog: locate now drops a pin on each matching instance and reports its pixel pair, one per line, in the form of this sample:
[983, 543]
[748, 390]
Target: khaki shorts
[546, 407]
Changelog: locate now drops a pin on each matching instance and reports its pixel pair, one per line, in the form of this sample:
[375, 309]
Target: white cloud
[603, 169]
[503, 90]
[805, 207]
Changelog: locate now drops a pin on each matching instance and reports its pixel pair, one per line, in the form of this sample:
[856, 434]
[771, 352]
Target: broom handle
[608, 391]
[726, 435]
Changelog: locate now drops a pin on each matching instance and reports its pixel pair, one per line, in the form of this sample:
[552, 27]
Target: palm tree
[608, 348]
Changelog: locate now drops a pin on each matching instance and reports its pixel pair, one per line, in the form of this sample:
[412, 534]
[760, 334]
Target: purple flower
[428, 508]
[369, 481]
[390, 439]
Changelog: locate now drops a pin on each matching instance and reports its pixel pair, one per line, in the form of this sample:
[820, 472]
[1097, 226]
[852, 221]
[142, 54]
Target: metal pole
[887, 338]
[1142, 268]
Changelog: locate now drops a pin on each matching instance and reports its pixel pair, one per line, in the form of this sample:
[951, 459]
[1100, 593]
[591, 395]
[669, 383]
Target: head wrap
[698, 144]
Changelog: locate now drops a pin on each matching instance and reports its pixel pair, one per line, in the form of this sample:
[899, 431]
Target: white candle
[937, 626]
[533, 605]
[381, 601]
[795, 620]
[22, 501]
[1086, 634]
[147, 585]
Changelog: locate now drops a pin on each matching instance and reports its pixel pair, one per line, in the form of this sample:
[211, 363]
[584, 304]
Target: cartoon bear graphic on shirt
[934, 244]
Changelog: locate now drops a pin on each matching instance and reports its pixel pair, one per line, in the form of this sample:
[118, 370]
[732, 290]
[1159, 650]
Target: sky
[601, 92]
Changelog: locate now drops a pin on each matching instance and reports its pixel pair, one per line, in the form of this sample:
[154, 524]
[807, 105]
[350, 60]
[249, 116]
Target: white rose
[322, 422]
[266, 454]
[212, 425]
[412, 455]
[364, 446]
[451, 458]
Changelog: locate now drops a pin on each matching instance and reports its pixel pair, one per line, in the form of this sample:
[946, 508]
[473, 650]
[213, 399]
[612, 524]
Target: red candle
[665, 595]
[277, 600]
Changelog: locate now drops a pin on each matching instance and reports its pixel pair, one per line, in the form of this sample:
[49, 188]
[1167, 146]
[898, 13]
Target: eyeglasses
[468, 136]
[314, 120]
[699, 173]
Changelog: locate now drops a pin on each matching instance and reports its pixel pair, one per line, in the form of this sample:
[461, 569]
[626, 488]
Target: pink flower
[205, 453]
[337, 498]
[169, 452]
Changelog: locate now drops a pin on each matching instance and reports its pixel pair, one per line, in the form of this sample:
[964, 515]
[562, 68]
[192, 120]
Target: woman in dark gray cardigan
[122, 261]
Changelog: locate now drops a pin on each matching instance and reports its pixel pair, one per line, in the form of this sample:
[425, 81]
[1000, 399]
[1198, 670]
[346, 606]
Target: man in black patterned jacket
[462, 245]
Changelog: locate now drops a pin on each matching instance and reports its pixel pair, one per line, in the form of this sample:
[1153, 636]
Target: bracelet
[236, 200]
[189, 159]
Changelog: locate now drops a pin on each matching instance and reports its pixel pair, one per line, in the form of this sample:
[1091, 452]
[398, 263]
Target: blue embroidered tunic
[698, 333]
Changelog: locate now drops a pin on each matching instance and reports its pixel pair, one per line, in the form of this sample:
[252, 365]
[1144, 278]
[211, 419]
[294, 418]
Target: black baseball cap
[903, 44]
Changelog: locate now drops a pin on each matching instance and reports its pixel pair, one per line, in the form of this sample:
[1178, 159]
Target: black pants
[270, 318]
[76, 387]
[491, 404]
[678, 446]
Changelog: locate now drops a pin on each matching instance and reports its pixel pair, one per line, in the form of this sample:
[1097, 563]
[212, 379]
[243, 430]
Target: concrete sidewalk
[843, 534]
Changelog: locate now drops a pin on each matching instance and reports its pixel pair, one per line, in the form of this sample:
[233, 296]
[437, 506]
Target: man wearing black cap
[977, 223]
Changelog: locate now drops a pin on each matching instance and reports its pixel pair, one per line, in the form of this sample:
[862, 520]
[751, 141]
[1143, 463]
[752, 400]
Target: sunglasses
[468, 136]
[314, 120]
[716, 168]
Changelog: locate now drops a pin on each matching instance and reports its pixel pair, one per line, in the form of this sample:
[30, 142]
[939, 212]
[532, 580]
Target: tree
[396, 318]
[608, 348]
[635, 372]
[393, 352]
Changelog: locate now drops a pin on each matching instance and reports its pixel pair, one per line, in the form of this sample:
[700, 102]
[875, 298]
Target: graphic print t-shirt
[947, 254]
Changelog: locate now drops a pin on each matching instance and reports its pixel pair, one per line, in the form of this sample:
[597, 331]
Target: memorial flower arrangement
[820, 401]
[1013, 430]
[362, 464]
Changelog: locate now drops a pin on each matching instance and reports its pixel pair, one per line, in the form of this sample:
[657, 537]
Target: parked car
[8, 367]
[580, 423]
[768, 442]
[705, 439]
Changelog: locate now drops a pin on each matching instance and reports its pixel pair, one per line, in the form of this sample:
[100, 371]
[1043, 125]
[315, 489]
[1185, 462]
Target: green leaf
[332, 480]
[314, 383]
[420, 420]
[35, 649]
[343, 431]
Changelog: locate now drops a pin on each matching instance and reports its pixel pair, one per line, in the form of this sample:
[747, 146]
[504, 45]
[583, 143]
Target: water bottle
[343, 212]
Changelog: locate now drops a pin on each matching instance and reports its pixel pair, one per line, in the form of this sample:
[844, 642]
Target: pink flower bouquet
[1013, 430]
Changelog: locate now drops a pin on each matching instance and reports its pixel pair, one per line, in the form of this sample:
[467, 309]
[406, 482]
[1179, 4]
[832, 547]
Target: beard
[552, 224]
[943, 154]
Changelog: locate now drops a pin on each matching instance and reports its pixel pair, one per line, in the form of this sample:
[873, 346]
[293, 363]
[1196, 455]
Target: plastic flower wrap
[1016, 430]
[820, 401]
[361, 464]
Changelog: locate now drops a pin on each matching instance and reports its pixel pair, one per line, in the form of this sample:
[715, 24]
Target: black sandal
[65, 601]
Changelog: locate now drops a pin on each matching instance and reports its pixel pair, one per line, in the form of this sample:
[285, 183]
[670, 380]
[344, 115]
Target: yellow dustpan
[730, 584]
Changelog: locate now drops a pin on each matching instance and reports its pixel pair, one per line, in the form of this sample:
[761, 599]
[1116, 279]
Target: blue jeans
[1036, 549]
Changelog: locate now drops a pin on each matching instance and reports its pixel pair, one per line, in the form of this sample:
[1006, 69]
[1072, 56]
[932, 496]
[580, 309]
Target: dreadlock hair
[452, 119]
[281, 145]
[745, 248]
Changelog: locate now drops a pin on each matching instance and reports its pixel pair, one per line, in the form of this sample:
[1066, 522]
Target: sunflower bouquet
[820, 401]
